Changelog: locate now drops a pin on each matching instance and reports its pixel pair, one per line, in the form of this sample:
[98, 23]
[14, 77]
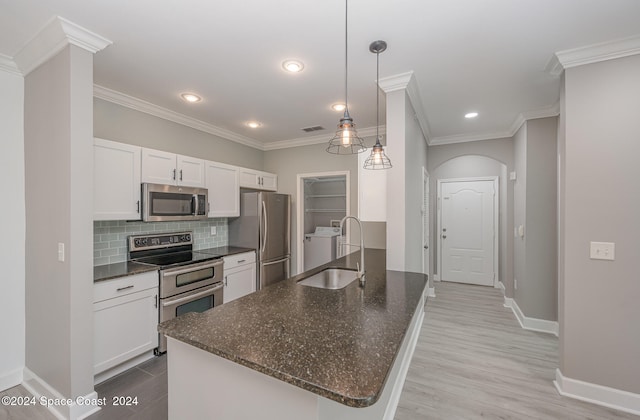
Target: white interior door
[425, 221]
[467, 232]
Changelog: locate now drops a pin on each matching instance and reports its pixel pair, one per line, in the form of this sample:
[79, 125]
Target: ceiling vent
[314, 128]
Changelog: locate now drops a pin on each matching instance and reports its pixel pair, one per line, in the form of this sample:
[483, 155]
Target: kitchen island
[299, 352]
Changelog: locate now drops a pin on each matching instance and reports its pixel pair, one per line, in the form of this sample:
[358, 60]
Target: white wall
[600, 337]
[12, 224]
[58, 191]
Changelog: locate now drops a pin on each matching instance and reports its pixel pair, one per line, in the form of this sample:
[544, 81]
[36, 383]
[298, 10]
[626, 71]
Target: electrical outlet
[602, 251]
[60, 251]
[214, 231]
[515, 284]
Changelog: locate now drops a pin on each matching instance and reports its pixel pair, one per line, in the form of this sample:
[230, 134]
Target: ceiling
[466, 55]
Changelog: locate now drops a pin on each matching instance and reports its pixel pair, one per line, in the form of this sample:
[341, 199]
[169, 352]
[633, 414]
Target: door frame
[300, 210]
[425, 181]
[496, 221]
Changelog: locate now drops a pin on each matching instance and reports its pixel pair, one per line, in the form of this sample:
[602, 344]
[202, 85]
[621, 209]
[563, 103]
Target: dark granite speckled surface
[127, 268]
[340, 344]
[224, 251]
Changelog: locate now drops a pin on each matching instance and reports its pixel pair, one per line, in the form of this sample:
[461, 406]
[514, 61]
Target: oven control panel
[161, 240]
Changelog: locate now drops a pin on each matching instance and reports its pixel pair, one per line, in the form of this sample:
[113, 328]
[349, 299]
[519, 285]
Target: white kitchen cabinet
[116, 180]
[239, 275]
[223, 183]
[258, 180]
[161, 167]
[125, 323]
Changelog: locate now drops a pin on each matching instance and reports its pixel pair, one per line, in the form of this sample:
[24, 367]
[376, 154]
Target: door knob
[426, 247]
[444, 236]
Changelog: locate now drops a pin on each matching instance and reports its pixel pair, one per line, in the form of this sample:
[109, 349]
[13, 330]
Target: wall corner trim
[595, 53]
[531, 324]
[39, 388]
[55, 35]
[7, 64]
[597, 394]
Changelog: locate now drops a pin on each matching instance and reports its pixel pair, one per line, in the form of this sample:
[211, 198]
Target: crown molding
[7, 64]
[317, 139]
[407, 82]
[131, 102]
[596, 53]
[550, 111]
[55, 35]
[554, 66]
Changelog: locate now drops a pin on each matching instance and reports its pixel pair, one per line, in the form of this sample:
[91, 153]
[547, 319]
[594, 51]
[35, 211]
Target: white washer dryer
[320, 247]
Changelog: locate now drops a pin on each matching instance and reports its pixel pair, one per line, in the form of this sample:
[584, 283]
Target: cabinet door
[249, 178]
[239, 282]
[116, 181]
[158, 167]
[190, 171]
[124, 327]
[269, 181]
[224, 189]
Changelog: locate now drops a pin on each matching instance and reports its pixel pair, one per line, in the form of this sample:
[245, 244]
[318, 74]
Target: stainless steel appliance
[265, 225]
[161, 203]
[190, 281]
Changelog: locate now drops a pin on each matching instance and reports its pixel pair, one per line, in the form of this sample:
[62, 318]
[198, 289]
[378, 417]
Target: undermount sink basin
[330, 278]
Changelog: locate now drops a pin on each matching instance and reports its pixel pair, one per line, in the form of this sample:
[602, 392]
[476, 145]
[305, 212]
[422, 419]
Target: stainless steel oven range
[190, 281]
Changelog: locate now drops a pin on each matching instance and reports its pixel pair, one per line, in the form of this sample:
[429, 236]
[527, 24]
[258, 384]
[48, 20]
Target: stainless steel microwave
[162, 203]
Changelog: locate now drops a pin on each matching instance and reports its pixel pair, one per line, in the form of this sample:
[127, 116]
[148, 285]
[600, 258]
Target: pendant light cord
[377, 96]
[346, 92]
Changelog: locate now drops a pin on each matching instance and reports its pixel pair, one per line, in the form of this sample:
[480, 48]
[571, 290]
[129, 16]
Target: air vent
[314, 128]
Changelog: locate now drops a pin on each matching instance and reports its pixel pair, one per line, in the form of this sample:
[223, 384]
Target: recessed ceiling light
[337, 107]
[471, 115]
[190, 97]
[253, 124]
[293, 66]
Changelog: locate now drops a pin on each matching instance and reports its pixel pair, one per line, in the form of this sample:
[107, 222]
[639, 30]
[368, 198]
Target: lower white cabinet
[125, 323]
[239, 275]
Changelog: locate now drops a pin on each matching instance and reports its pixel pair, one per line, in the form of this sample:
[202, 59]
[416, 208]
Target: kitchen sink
[330, 278]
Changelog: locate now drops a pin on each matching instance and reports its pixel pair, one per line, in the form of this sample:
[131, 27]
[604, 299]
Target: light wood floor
[472, 361]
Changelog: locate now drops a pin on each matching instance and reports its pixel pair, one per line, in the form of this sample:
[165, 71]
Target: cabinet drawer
[238, 260]
[122, 286]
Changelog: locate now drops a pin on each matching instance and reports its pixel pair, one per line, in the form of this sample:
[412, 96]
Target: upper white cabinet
[258, 180]
[160, 167]
[116, 181]
[222, 181]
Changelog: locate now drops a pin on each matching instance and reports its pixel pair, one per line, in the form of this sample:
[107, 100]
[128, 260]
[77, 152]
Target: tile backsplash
[110, 237]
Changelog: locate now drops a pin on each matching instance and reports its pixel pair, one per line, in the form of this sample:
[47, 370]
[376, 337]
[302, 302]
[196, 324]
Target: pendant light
[377, 159]
[346, 140]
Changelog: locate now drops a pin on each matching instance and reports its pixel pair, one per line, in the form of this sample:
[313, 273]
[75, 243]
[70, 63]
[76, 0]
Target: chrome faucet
[361, 266]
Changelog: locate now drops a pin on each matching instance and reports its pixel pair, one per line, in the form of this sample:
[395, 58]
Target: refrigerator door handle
[264, 236]
[276, 262]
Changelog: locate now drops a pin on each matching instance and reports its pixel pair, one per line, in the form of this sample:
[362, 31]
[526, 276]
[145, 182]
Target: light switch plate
[602, 251]
[60, 251]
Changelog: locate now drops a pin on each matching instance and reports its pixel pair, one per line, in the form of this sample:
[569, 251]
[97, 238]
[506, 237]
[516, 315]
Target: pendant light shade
[346, 140]
[377, 159]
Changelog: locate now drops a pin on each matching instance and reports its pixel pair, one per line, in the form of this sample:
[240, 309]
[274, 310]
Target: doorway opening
[323, 200]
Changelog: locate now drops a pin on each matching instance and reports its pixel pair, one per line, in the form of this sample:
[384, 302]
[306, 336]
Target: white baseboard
[10, 379]
[597, 394]
[431, 292]
[500, 285]
[43, 392]
[532, 324]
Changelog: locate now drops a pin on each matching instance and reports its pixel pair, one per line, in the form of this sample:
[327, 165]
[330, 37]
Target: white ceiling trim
[7, 64]
[595, 53]
[131, 102]
[320, 138]
[551, 111]
[408, 82]
[55, 35]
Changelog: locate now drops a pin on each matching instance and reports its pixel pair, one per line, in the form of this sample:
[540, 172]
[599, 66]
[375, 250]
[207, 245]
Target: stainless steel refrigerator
[265, 225]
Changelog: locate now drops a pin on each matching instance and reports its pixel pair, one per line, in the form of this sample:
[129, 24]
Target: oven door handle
[192, 267]
[193, 296]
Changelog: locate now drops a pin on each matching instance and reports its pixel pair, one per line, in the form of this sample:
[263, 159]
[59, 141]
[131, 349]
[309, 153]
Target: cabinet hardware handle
[180, 174]
[225, 281]
[174, 174]
[119, 289]
[444, 236]
[138, 206]
[241, 261]
[156, 298]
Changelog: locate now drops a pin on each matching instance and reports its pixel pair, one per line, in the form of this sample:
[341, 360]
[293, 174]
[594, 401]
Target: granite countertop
[129, 268]
[340, 344]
